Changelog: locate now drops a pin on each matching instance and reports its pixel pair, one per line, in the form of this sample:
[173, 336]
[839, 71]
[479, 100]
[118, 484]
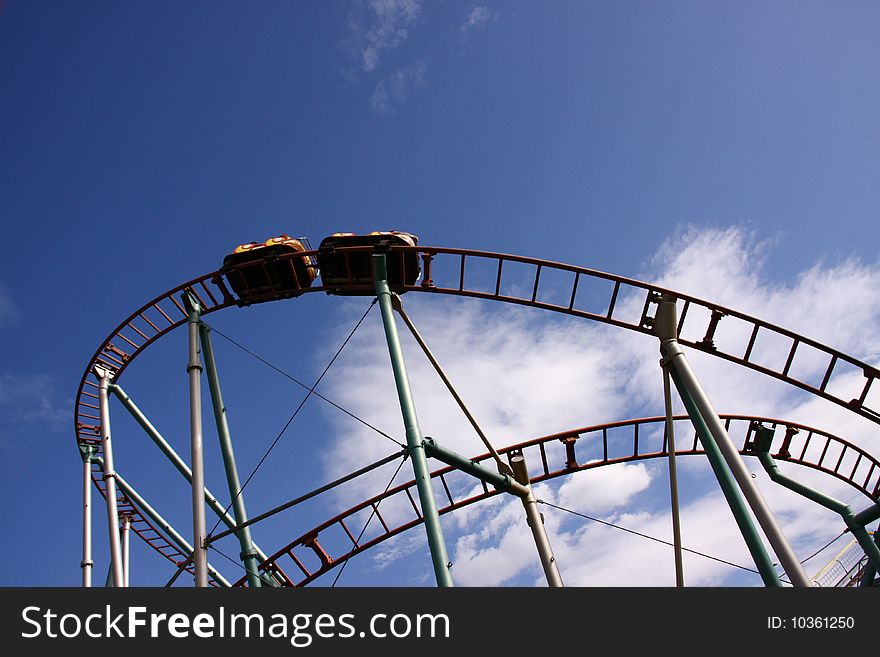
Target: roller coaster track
[800, 444]
[482, 275]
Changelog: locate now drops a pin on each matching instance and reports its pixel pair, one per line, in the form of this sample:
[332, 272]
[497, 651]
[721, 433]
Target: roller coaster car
[268, 271]
[340, 269]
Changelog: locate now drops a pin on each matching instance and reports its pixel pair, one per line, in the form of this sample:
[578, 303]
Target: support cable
[180, 568]
[227, 557]
[652, 538]
[295, 413]
[396, 304]
[307, 496]
[375, 509]
[301, 384]
[825, 547]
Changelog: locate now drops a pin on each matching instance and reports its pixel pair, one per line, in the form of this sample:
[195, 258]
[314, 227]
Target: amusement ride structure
[387, 265]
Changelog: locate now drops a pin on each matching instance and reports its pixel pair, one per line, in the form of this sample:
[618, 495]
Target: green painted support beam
[870, 572]
[248, 553]
[436, 542]
[500, 481]
[728, 487]
[761, 447]
[181, 466]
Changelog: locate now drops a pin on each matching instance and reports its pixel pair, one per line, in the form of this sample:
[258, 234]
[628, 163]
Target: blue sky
[141, 143]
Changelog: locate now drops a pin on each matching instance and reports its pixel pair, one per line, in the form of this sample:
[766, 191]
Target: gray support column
[126, 543]
[194, 371]
[666, 325]
[673, 478]
[536, 521]
[436, 542]
[109, 477]
[87, 452]
[732, 494]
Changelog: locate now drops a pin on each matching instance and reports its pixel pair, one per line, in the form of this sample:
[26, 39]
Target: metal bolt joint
[247, 554]
[849, 519]
[665, 324]
[670, 349]
[193, 307]
[87, 452]
[104, 375]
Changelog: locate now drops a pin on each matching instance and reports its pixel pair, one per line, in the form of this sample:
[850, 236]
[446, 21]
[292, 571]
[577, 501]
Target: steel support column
[248, 553]
[126, 543]
[666, 327]
[109, 477]
[864, 518]
[869, 515]
[194, 372]
[728, 486]
[673, 478]
[436, 542]
[535, 521]
[87, 452]
[870, 572]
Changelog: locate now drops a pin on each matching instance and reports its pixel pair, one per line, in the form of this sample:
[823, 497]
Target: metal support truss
[666, 326]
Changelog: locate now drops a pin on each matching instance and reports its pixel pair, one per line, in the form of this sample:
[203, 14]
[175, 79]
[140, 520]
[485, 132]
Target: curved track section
[145, 529]
[130, 338]
[590, 294]
[607, 444]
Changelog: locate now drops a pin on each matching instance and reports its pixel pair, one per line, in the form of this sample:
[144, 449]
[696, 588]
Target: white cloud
[604, 489]
[524, 374]
[598, 555]
[392, 91]
[376, 26]
[477, 19]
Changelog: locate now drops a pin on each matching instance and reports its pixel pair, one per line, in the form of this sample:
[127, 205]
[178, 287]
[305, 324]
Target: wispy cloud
[392, 91]
[33, 399]
[477, 18]
[524, 374]
[30, 406]
[376, 26]
[8, 312]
